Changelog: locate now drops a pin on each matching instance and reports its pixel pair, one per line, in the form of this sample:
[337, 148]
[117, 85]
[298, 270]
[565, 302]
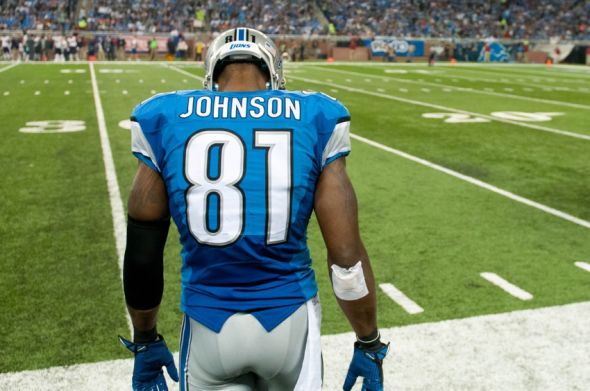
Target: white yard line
[541, 349]
[118, 212]
[476, 182]
[446, 108]
[507, 286]
[401, 299]
[583, 266]
[185, 72]
[463, 89]
[8, 67]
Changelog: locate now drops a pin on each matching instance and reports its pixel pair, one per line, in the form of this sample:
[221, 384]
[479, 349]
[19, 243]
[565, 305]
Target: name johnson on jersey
[243, 107]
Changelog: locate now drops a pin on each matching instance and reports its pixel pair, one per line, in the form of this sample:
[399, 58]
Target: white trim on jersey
[339, 142]
[140, 144]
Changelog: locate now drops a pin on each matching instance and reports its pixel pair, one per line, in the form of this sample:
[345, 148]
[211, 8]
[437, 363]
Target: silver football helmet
[243, 45]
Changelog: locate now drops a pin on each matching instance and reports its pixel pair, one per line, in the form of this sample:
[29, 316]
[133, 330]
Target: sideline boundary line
[476, 182]
[463, 89]
[117, 210]
[439, 107]
[9, 67]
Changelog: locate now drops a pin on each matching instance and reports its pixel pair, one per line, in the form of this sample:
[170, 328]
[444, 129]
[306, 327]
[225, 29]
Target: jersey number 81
[226, 186]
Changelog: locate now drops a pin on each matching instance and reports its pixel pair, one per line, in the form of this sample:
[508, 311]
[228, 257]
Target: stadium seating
[518, 19]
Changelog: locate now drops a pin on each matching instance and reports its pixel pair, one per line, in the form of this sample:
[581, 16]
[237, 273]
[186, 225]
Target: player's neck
[241, 78]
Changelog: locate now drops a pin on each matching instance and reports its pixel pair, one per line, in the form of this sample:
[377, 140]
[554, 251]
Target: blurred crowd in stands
[518, 19]
[63, 30]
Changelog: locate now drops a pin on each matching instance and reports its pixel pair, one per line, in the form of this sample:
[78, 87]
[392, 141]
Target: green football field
[459, 171]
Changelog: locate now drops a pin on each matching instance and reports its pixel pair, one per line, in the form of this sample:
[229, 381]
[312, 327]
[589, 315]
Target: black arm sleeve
[143, 269]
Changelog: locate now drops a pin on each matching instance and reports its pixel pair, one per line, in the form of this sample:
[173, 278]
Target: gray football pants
[245, 357]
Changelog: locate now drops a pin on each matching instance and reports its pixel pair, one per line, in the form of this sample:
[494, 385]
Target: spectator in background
[73, 47]
[171, 47]
[5, 47]
[182, 48]
[121, 49]
[199, 49]
[134, 49]
[109, 48]
[29, 47]
[390, 53]
[15, 43]
[59, 49]
[99, 47]
[49, 48]
[153, 47]
[39, 41]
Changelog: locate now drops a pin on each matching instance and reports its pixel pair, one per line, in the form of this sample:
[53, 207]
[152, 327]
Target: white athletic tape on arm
[349, 284]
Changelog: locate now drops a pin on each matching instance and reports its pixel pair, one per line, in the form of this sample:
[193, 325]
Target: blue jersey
[240, 170]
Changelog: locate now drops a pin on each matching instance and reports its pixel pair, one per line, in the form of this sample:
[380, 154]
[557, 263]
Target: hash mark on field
[46, 81]
[152, 92]
[163, 80]
[124, 92]
[508, 89]
[6, 93]
[402, 300]
[425, 89]
[140, 81]
[37, 92]
[403, 90]
[184, 81]
[117, 81]
[506, 286]
[70, 82]
[368, 80]
[583, 266]
[348, 80]
[66, 92]
[380, 90]
[22, 82]
[447, 89]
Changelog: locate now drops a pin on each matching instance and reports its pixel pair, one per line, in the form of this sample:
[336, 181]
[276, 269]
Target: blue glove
[149, 359]
[367, 362]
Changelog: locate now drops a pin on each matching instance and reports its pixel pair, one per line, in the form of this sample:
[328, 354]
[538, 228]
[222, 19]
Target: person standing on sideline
[240, 167]
[153, 46]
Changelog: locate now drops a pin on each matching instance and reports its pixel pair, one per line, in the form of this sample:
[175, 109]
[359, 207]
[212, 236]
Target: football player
[240, 166]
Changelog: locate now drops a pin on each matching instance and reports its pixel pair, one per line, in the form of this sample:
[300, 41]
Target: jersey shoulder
[149, 111]
[325, 105]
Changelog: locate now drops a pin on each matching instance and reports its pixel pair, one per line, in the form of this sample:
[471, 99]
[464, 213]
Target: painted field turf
[429, 234]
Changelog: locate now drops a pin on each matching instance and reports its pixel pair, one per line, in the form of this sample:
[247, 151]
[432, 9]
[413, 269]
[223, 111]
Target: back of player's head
[244, 45]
